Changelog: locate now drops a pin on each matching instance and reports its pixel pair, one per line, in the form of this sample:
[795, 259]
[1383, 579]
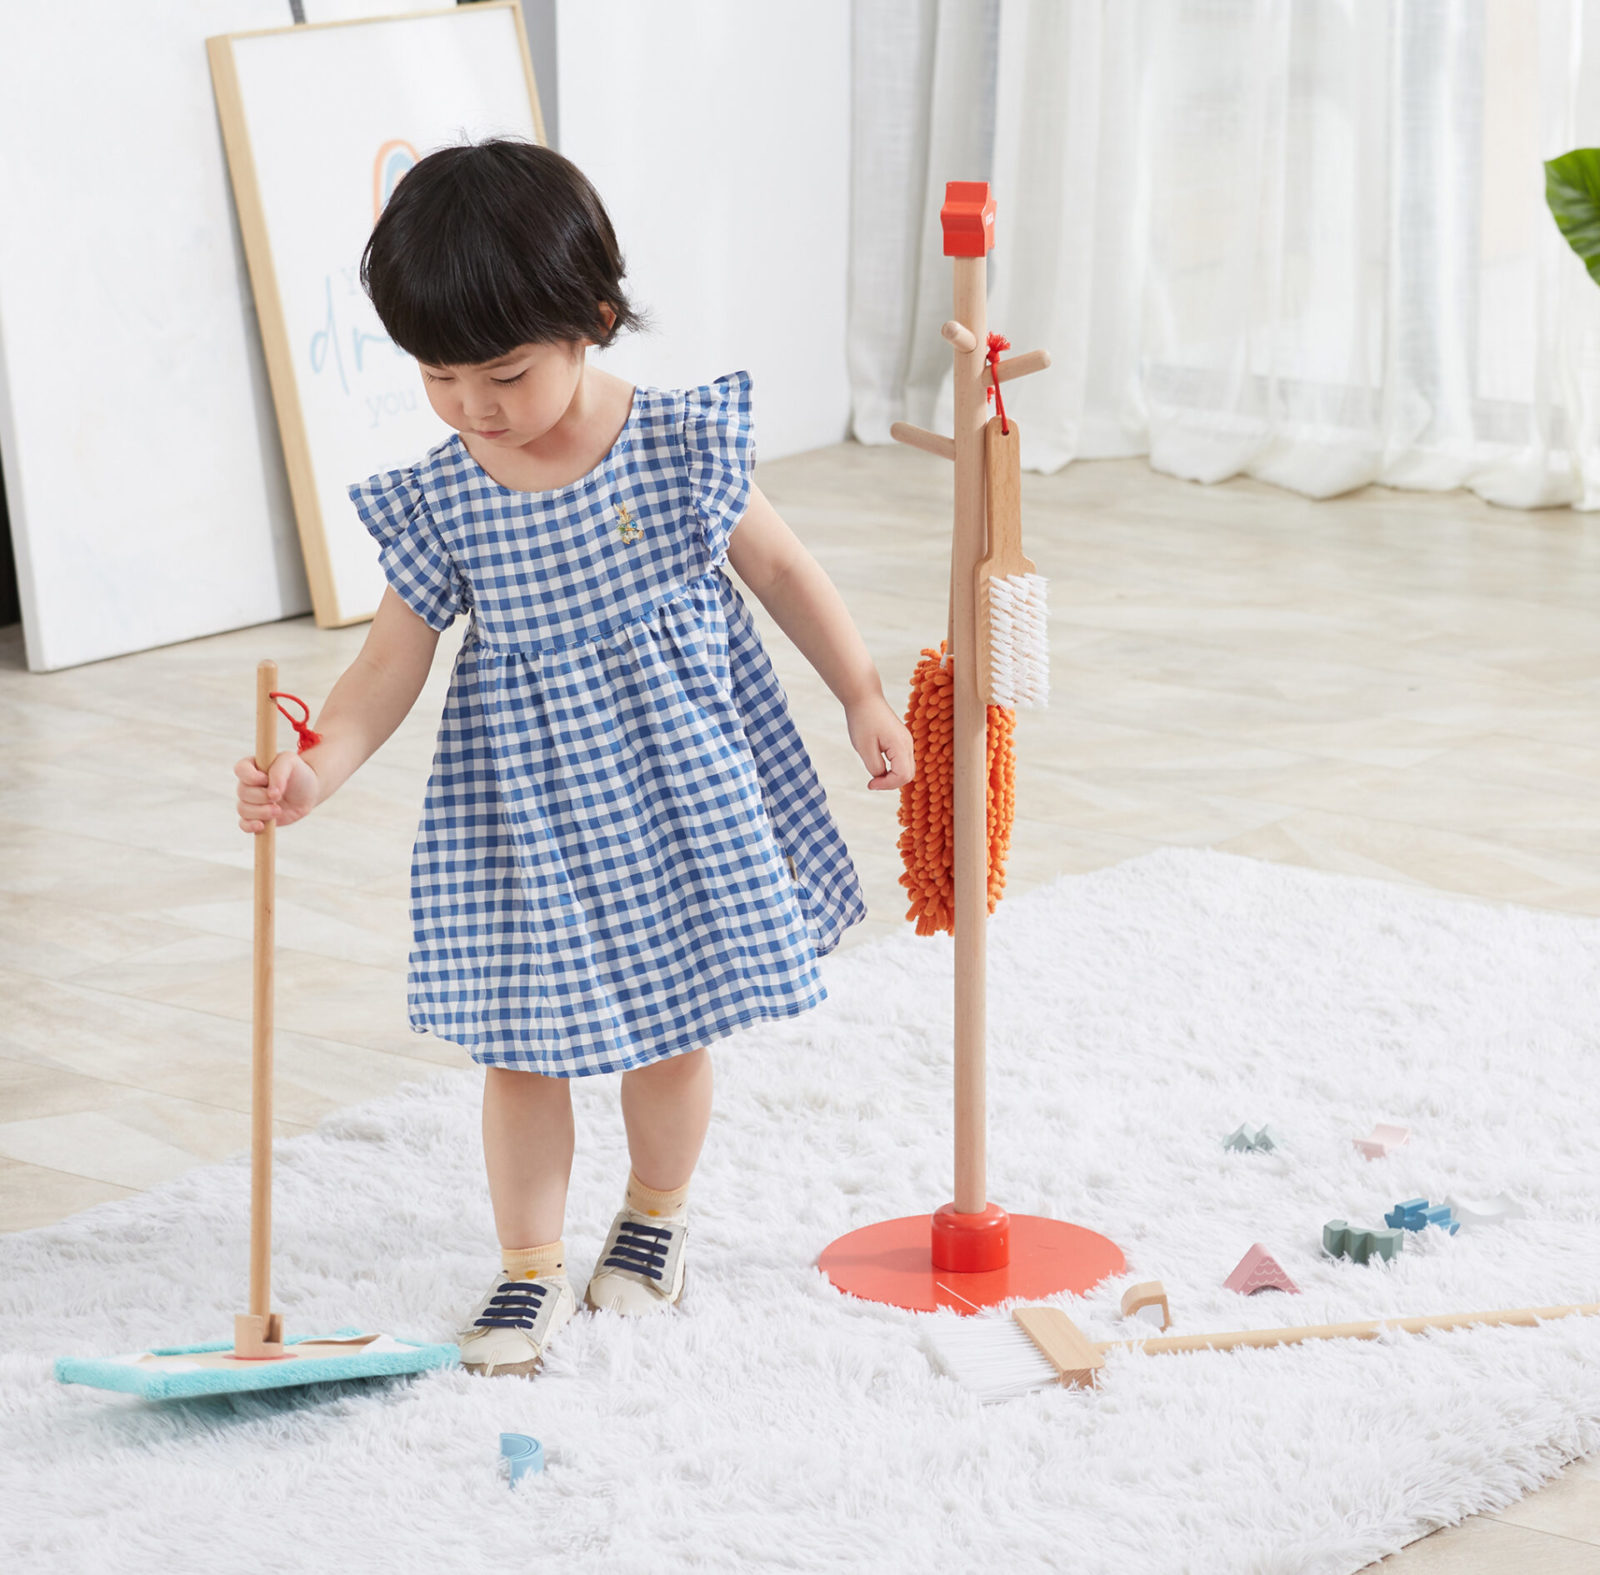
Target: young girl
[624, 852]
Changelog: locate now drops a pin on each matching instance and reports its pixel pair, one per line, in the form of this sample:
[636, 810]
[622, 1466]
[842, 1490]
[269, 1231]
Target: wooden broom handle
[1368, 1329]
[261, 1014]
[970, 760]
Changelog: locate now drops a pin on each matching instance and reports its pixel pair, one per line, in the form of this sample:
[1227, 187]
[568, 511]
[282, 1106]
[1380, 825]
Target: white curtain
[1303, 240]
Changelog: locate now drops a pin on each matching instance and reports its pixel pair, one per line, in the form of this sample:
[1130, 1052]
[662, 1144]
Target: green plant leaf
[1572, 189]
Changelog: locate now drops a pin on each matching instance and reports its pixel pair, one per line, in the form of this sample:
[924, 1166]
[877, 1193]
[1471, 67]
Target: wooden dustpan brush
[1013, 617]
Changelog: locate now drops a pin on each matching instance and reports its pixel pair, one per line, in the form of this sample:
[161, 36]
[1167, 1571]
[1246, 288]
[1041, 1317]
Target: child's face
[511, 401]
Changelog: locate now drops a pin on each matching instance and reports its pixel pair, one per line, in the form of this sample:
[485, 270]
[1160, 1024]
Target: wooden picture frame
[319, 121]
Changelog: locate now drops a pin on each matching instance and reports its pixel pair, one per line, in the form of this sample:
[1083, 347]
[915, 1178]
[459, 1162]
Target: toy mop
[957, 813]
[258, 1356]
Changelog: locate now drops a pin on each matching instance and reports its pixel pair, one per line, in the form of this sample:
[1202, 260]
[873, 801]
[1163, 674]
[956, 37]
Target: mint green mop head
[190, 1372]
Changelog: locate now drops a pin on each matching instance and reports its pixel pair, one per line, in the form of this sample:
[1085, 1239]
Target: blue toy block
[1415, 1214]
[1411, 1215]
[523, 1454]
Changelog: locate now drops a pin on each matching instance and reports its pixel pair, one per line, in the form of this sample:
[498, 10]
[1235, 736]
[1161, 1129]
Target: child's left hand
[883, 742]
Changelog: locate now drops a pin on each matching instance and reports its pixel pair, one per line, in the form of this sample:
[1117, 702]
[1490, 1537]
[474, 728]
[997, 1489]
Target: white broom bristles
[1019, 641]
[993, 1357]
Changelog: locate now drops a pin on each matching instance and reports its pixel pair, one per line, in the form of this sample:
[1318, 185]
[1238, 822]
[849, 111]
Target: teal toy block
[522, 1454]
[1341, 1240]
[1251, 1140]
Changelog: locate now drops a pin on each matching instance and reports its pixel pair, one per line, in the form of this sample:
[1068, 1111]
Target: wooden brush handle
[1002, 455]
[1368, 1329]
[261, 1014]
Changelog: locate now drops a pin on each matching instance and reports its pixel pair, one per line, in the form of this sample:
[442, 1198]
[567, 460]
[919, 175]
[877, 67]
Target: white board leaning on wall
[320, 122]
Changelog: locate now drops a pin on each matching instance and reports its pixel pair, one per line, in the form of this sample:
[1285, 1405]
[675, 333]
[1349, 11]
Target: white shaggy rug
[1138, 1015]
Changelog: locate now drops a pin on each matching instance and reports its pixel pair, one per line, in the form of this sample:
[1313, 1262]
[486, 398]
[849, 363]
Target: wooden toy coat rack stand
[970, 1253]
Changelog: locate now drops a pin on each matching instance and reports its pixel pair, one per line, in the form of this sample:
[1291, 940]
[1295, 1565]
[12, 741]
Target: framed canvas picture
[320, 123]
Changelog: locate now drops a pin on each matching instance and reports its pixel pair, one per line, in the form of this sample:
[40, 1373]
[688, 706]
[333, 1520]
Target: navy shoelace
[641, 1248]
[514, 1306]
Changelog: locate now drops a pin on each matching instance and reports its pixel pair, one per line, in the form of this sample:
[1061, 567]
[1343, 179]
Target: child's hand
[883, 742]
[283, 795]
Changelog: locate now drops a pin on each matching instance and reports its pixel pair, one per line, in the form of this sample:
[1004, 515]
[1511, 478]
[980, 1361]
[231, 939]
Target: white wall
[718, 135]
[143, 473]
[140, 450]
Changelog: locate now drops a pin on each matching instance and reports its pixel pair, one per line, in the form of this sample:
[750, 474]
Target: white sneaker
[641, 1264]
[514, 1324]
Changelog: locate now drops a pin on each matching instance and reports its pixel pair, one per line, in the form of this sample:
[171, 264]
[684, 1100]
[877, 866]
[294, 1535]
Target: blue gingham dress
[624, 850]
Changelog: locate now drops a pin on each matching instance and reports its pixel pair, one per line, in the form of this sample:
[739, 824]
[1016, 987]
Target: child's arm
[368, 703]
[791, 585]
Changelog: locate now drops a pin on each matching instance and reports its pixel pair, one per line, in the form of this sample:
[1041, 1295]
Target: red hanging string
[996, 344]
[299, 724]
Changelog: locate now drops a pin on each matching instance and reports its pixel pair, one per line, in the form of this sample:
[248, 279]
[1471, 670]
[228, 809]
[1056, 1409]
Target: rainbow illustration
[393, 160]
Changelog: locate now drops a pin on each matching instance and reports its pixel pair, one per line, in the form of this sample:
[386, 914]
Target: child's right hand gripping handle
[286, 791]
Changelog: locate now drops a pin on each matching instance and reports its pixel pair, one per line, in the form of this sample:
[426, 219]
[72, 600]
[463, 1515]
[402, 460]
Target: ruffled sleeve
[720, 445]
[414, 560]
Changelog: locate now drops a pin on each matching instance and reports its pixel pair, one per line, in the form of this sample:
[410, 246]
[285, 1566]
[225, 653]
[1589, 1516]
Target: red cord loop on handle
[299, 724]
[997, 343]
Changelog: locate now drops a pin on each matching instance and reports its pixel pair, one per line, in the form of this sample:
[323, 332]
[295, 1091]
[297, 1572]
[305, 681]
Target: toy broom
[999, 1359]
[957, 815]
[258, 1356]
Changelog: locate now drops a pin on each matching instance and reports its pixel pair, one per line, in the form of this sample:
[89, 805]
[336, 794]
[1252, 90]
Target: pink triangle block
[1258, 1271]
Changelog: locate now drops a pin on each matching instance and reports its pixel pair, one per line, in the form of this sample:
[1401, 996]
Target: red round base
[893, 1262]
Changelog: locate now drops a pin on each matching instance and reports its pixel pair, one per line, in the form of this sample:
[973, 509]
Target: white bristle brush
[1013, 628]
[1001, 1358]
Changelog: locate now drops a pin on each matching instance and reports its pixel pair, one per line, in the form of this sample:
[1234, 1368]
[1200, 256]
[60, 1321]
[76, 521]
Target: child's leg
[527, 1148]
[666, 1108]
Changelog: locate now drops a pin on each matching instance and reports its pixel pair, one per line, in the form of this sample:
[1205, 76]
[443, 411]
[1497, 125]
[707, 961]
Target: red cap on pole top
[968, 218]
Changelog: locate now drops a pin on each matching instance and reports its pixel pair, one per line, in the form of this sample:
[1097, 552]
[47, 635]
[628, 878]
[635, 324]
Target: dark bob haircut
[489, 246]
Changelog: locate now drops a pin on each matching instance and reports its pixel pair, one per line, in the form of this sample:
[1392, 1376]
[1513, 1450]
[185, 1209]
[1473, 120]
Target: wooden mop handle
[967, 333]
[1368, 1329]
[261, 1014]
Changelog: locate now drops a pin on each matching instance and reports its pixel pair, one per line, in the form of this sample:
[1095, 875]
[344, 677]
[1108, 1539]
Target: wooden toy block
[1340, 1240]
[1258, 1271]
[1147, 1301]
[1484, 1211]
[1251, 1140]
[1384, 1137]
[524, 1455]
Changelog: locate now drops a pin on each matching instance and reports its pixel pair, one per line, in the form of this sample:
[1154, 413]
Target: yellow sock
[534, 1263]
[646, 1200]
